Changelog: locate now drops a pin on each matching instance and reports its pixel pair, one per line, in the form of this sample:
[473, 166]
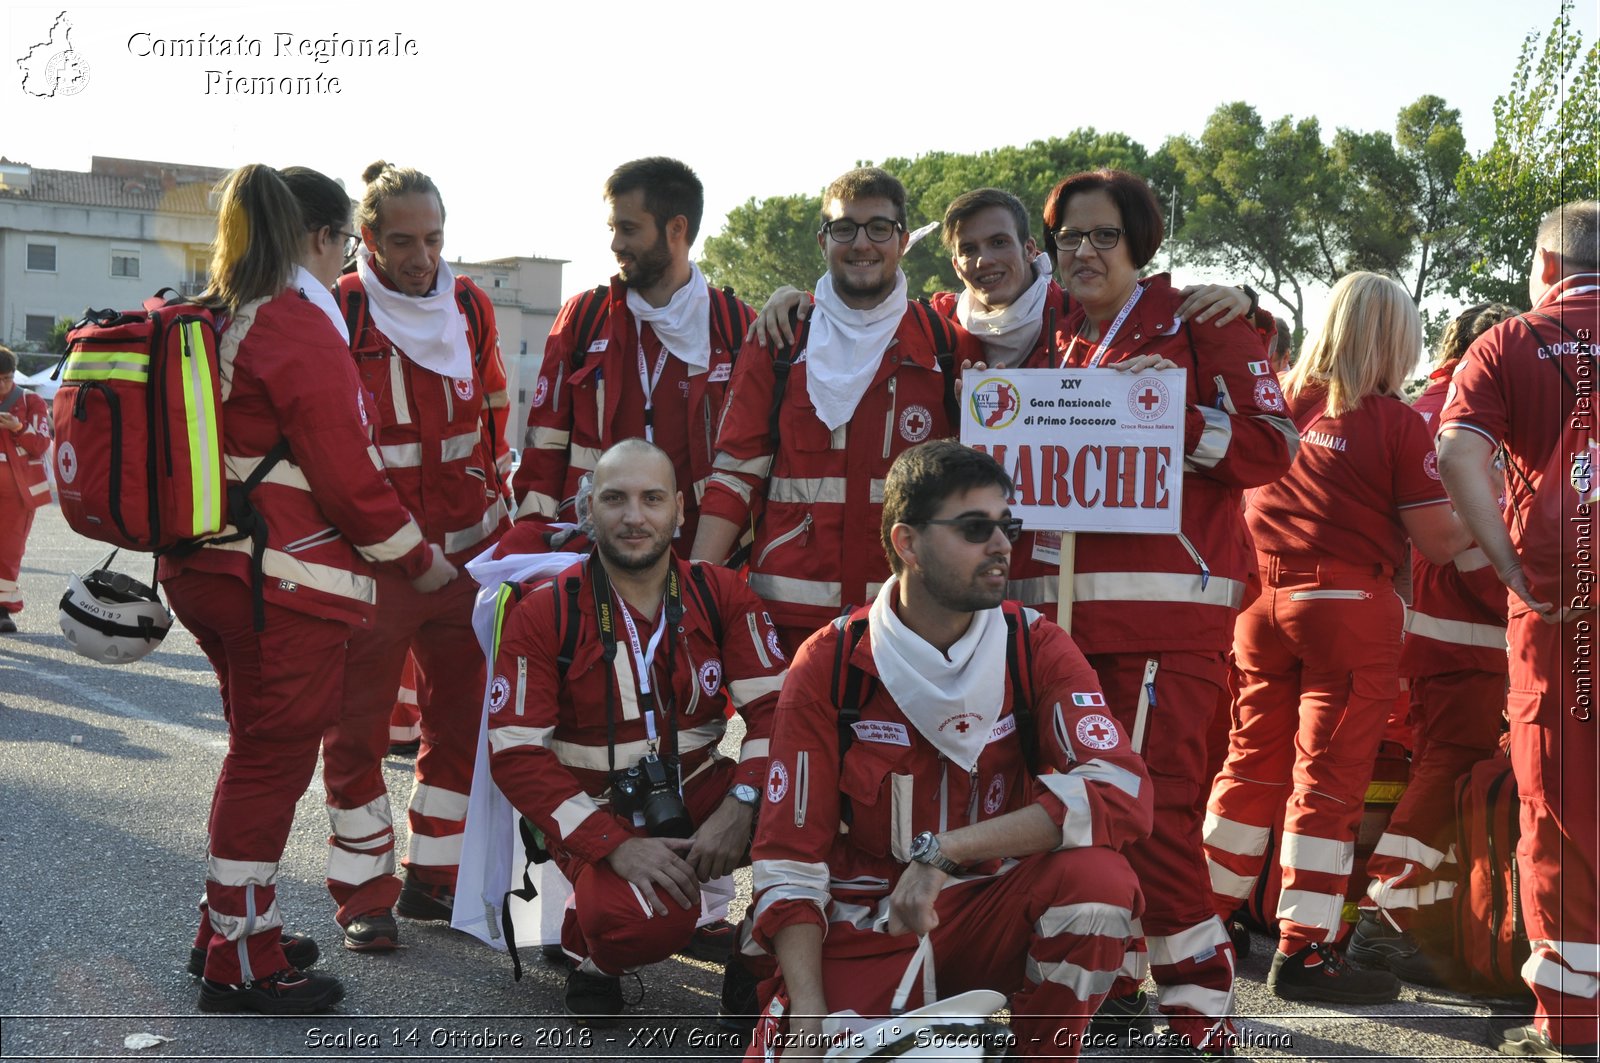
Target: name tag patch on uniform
[720, 372]
[599, 345]
[1003, 728]
[886, 732]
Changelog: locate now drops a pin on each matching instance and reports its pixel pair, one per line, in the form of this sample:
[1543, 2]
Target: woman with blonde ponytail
[1318, 652]
[276, 634]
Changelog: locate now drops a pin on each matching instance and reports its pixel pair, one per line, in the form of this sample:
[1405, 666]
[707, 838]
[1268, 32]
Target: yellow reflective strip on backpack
[107, 365]
[501, 599]
[203, 427]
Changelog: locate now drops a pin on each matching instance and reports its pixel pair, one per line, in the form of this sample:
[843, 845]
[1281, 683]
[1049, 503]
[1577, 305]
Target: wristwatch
[925, 850]
[745, 794]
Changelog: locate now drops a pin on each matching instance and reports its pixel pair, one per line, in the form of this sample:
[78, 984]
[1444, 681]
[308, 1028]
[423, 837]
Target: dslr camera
[650, 789]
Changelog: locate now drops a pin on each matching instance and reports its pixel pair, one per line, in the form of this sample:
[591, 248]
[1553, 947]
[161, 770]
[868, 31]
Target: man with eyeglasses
[859, 385]
[647, 356]
[1012, 305]
[425, 344]
[943, 765]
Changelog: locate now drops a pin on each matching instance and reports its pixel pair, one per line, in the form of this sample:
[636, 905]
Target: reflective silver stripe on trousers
[795, 591]
[1156, 587]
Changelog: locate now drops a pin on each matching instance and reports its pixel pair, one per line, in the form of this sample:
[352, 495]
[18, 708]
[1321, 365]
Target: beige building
[526, 293]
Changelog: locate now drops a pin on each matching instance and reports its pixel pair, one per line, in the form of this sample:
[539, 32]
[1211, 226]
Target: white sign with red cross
[1090, 450]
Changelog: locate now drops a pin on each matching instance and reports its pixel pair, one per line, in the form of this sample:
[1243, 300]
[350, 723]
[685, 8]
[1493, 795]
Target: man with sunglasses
[965, 744]
[859, 386]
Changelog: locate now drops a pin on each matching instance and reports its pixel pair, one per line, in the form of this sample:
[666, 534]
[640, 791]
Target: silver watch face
[744, 793]
[921, 844]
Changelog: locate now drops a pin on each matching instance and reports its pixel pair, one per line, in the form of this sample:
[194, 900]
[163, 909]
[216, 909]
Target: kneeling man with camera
[944, 765]
[609, 697]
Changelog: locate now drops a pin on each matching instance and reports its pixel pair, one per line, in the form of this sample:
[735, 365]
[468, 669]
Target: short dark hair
[1572, 231]
[8, 360]
[922, 477]
[323, 203]
[967, 204]
[670, 188]
[1141, 210]
[866, 182]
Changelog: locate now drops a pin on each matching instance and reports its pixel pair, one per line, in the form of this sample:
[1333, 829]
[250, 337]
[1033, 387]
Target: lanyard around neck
[648, 380]
[1111, 332]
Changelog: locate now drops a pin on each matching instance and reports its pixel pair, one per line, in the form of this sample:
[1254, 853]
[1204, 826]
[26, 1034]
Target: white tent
[39, 383]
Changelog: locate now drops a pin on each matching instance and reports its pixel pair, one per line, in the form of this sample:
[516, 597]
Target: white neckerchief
[1008, 334]
[683, 326]
[952, 701]
[845, 346]
[321, 298]
[428, 329]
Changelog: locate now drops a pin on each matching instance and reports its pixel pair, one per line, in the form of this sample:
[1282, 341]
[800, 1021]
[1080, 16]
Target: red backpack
[1491, 941]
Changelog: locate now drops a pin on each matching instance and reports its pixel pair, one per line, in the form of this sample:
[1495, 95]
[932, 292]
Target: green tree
[1433, 149]
[1546, 152]
[766, 243]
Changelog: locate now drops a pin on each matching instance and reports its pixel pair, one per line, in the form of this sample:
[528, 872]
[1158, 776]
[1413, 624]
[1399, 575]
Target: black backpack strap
[533, 845]
[729, 319]
[943, 334]
[1019, 664]
[592, 316]
[782, 361]
[569, 635]
[708, 601]
[355, 311]
[848, 702]
[473, 313]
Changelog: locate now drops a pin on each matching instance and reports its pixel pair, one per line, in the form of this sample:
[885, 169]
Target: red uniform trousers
[1186, 947]
[1319, 659]
[1455, 722]
[1555, 755]
[437, 628]
[281, 687]
[611, 924]
[405, 719]
[15, 522]
[1050, 933]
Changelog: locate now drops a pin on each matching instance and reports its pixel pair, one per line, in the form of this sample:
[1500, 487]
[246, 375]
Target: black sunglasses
[979, 529]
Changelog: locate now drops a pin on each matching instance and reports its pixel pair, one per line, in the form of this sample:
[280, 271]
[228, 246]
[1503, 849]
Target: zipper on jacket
[799, 529]
[1344, 596]
[888, 422]
[972, 800]
[710, 452]
[944, 794]
[449, 400]
[1200, 562]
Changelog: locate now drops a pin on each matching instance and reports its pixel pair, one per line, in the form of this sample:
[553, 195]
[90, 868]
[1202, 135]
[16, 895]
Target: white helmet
[111, 617]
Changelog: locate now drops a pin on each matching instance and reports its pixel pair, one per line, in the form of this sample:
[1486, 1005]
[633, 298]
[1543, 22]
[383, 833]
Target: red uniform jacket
[23, 480]
[547, 736]
[816, 549]
[576, 413]
[1090, 780]
[433, 433]
[1137, 593]
[329, 510]
[1457, 619]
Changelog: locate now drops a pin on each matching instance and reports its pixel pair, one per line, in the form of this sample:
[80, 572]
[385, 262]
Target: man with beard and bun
[629, 659]
[861, 384]
[1522, 386]
[425, 344]
[648, 355]
[1014, 308]
[943, 764]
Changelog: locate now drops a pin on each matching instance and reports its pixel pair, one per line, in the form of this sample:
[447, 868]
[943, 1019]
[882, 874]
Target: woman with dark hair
[1454, 660]
[1318, 653]
[1154, 614]
[290, 398]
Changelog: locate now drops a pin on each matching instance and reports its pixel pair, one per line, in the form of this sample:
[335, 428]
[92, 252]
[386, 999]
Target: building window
[37, 328]
[500, 282]
[124, 262]
[42, 258]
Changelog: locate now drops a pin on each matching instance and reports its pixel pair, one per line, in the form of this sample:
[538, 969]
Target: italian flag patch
[1260, 368]
[1089, 701]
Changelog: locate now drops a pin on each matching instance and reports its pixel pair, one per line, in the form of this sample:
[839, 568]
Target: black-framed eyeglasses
[979, 529]
[1103, 238]
[351, 242]
[879, 230]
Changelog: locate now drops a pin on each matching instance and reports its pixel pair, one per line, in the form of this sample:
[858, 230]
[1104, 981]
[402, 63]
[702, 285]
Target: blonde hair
[258, 242]
[1369, 344]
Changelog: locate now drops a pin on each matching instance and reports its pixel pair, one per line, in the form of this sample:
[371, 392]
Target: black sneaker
[376, 931]
[405, 749]
[425, 903]
[8, 626]
[298, 949]
[1531, 1041]
[1374, 943]
[1318, 972]
[713, 942]
[592, 999]
[556, 956]
[1122, 1019]
[740, 1006]
[1239, 934]
[289, 992]
[1171, 1046]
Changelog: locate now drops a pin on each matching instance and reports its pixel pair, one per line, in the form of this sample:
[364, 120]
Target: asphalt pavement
[105, 778]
